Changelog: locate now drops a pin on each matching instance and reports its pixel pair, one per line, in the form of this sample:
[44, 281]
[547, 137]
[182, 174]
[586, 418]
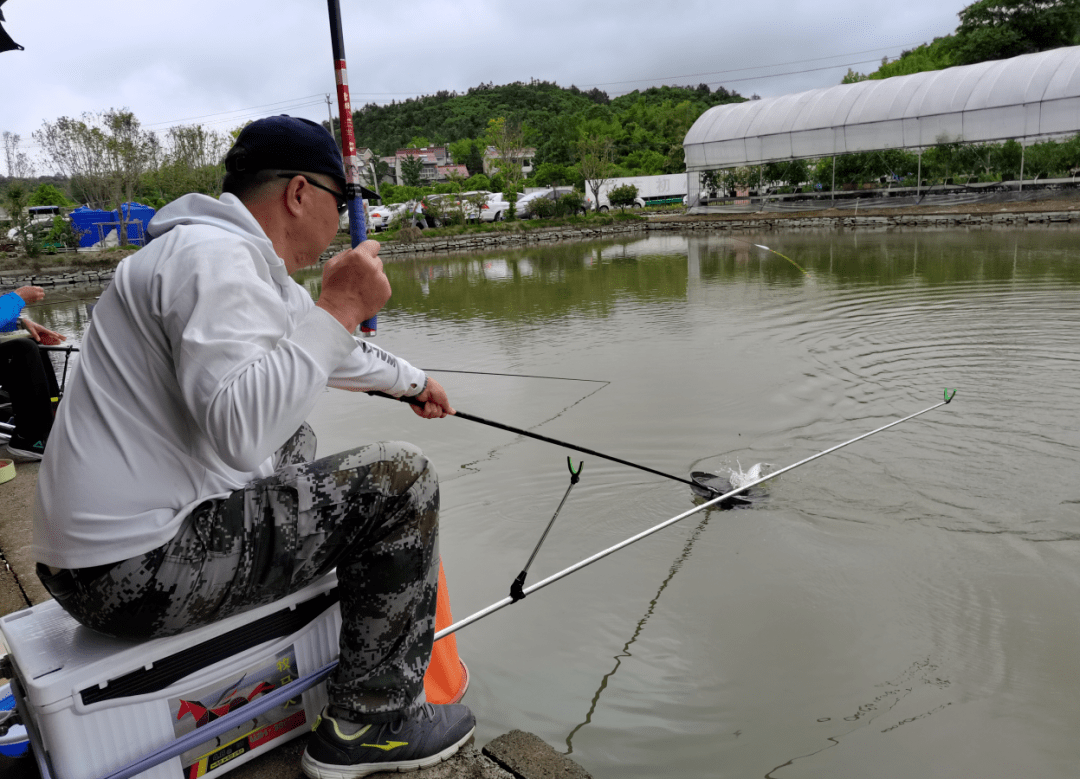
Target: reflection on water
[904, 607]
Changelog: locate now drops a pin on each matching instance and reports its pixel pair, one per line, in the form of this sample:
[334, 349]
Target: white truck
[651, 190]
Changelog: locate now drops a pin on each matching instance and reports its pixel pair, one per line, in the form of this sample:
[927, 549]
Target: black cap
[286, 143]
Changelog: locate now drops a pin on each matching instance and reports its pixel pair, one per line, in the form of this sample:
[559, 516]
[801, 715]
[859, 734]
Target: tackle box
[98, 704]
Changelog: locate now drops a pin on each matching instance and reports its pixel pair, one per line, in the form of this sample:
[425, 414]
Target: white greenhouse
[1027, 98]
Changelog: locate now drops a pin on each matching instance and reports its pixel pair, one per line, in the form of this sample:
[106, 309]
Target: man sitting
[180, 485]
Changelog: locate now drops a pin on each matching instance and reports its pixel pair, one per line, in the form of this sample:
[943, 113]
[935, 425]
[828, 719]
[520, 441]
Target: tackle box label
[202, 706]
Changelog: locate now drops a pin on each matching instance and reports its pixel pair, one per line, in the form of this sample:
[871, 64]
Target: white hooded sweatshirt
[202, 359]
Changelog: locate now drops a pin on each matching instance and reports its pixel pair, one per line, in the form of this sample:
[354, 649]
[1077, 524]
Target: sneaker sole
[316, 770]
[22, 454]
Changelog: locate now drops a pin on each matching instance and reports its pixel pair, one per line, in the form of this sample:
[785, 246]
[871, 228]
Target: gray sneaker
[339, 749]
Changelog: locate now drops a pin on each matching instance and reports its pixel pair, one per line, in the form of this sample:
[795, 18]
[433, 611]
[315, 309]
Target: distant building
[524, 158]
[432, 156]
[445, 171]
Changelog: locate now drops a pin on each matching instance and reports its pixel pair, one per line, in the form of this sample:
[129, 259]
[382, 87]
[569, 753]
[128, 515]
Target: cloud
[221, 63]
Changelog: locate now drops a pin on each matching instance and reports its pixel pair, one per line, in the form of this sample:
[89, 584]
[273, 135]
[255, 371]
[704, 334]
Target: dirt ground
[16, 266]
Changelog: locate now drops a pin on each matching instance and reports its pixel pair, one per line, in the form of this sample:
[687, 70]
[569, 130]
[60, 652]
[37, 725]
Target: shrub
[623, 196]
[571, 203]
[542, 208]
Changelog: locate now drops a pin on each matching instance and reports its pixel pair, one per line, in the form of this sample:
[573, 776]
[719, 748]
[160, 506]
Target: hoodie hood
[227, 213]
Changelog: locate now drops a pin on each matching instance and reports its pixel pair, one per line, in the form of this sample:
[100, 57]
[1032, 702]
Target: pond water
[907, 606]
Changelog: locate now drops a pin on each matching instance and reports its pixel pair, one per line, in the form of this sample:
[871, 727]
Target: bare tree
[105, 153]
[18, 164]
[595, 155]
[195, 146]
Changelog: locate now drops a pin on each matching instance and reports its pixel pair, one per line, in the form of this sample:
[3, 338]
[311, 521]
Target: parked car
[472, 213]
[496, 208]
[379, 218]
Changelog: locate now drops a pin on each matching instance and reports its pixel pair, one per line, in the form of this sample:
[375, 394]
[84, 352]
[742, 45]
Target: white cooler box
[98, 704]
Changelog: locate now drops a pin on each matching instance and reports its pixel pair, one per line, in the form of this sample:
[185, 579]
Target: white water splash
[740, 478]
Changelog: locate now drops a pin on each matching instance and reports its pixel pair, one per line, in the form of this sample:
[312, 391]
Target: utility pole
[331, 114]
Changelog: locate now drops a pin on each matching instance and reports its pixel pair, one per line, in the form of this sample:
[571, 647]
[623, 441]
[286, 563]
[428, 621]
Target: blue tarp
[86, 221]
[136, 212]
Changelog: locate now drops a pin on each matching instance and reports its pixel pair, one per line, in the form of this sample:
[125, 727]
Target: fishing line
[766, 248]
[625, 652]
[515, 375]
[645, 533]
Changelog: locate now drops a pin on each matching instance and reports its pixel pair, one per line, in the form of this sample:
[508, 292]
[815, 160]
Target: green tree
[470, 153]
[551, 174]
[193, 162]
[48, 195]
[508, 140]
[734, 179]
[790, 172]
[16, 201]
[478, 181]
[998, 29]
[411, 168]
[595, 157]
[623, 196]
[944, 159]
[936, 55]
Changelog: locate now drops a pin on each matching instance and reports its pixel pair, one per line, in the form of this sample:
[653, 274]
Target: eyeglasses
[342, 201]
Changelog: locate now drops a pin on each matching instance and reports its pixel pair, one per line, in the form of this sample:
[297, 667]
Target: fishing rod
[357, 226]
[697, 485]
[645, 533]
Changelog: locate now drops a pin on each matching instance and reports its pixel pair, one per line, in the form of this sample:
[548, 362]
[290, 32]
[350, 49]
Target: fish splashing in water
[740, 478]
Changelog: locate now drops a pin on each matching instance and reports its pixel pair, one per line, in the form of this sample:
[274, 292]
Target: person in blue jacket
[27, 375]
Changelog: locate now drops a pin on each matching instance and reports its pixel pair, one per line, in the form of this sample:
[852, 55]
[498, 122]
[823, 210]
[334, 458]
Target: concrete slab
[527, 757]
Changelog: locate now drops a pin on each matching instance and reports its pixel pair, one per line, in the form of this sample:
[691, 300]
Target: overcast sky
[222, 63]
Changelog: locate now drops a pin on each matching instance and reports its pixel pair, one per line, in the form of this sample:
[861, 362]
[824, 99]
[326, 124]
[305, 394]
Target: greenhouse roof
[1027, 97]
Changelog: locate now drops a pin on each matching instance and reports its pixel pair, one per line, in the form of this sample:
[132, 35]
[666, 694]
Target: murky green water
[906, 607]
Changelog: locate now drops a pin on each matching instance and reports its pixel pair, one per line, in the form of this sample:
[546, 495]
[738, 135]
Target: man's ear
[297, 196]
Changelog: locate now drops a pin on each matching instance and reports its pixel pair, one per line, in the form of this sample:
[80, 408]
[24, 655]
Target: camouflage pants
[371, 512]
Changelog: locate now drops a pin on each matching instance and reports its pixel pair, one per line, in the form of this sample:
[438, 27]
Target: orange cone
[447, 678]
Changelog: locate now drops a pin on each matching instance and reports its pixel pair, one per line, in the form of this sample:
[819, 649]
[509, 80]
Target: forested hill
[643, 125]
[990, 30]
